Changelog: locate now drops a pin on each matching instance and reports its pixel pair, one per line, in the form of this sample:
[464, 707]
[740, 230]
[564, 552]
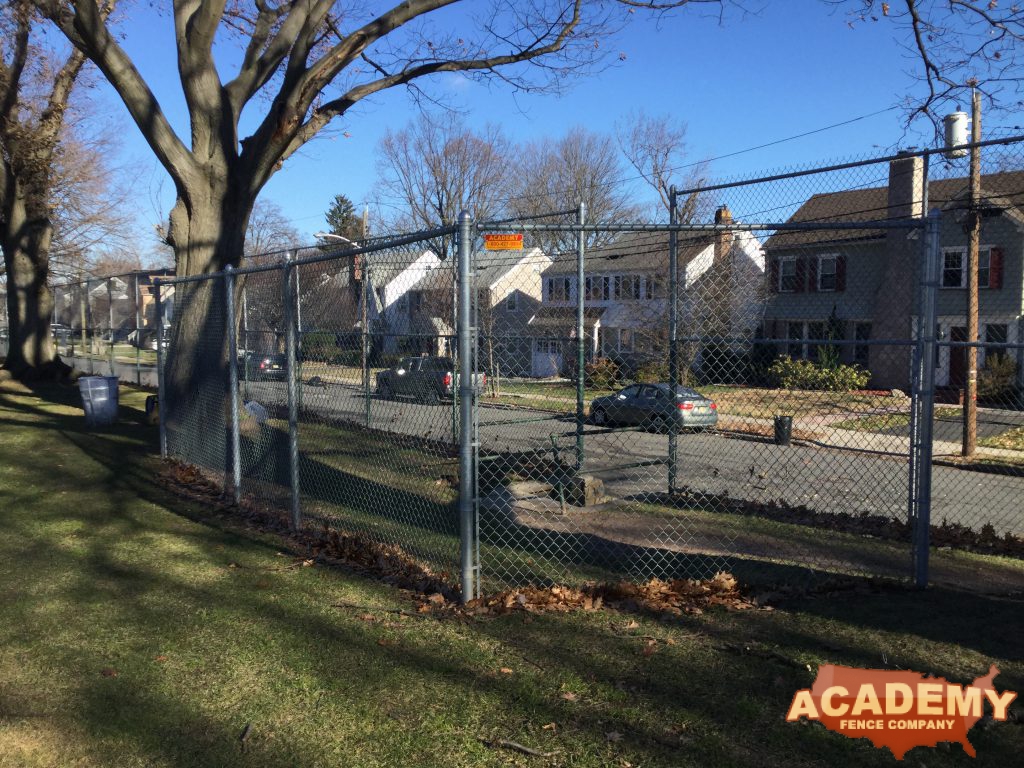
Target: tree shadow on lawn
[719, 693]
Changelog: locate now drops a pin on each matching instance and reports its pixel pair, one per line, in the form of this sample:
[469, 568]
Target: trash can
[99, 399]
[783, 429]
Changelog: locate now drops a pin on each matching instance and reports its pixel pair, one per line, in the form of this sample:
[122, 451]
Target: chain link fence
[771, 383]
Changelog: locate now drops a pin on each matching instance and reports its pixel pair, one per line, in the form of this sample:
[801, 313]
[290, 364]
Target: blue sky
[791, 68]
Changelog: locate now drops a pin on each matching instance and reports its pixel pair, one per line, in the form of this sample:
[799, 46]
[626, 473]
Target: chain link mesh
[754, 410]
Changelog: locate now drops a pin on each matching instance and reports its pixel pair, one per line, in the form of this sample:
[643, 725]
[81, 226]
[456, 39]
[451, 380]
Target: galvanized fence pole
[365, 319]
[673, 334]
[465, 389]
[110, 321]
[161, 377]
[930, 282]
[236, 441]
[138, 333]
[581, 349]
[92, 331]
[247, 353]
[288, 299]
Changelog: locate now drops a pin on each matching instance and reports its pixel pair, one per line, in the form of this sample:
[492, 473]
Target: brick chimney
[895, 297]
[723, 240]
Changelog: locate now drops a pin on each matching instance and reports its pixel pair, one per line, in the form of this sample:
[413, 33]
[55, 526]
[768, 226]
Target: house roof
[631, 252]
[1003, 191]
[491, 266]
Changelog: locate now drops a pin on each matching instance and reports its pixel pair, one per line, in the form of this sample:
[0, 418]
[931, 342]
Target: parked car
[424, 378]
[652, 405]
[267, 367]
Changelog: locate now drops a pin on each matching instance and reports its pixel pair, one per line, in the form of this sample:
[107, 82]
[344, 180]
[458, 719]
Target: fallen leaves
[655, 596]
[108, 672]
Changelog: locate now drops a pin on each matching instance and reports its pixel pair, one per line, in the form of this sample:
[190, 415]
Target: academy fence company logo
[898, 710]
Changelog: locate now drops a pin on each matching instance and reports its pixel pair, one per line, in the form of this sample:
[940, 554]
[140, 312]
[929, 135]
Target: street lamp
[332, 236]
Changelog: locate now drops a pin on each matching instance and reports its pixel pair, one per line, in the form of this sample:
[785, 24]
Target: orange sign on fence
[503, 242]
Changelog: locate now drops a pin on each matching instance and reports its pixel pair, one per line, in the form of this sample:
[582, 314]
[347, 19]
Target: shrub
[601, 372]
[652, 372]
[319, 345]
[803, 374]
[997, 379]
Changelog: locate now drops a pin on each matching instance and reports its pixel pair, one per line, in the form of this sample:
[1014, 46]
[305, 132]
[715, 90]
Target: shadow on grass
[692, 702]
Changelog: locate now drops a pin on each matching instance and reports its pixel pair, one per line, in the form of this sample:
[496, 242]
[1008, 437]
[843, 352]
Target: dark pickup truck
[424, 378]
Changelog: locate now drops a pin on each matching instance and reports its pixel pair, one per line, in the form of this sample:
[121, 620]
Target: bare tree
[270, 231]
[557, 175]
[310, 62]
[434, 168]
[956, 45]
[656, 149]
[36, 83]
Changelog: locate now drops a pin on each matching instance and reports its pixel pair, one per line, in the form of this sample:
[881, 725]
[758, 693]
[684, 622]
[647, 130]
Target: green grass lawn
[137, 629]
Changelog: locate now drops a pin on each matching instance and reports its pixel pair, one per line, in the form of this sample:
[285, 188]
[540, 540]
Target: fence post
[161, 390]
[466, 395]
[236, 441]
[581, 349]
[673, 334]
[110, 321]
[288, 299]
[365, 319]
[926, 416]
[138, 333]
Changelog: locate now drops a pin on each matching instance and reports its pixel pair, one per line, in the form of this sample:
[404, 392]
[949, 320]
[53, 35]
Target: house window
[984, 267]
[827, 272]
[512, 302]
[597, 288]
[861, 350]
[548, 346]
[815, 332]
[415, 302]
[787, 275]
[795, 333]
[995, 334]
[558, 288]
[653, 287]
[953, 269]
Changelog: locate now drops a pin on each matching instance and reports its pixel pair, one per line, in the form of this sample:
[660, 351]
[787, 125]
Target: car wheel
[599, 416]
[385, 391]
[430, 397]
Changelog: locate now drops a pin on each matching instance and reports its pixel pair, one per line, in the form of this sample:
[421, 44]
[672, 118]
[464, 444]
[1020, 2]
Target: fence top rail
[332, 255]
[905, 223]
[846, 166]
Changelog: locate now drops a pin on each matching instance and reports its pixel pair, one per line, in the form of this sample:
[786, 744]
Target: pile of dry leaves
[658, 597]
[435, 592]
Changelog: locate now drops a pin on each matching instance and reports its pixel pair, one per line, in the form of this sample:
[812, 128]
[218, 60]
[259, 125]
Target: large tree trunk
[207, 236]
[25, 238]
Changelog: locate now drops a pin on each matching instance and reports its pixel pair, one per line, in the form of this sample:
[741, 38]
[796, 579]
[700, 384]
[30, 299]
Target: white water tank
[956, 134]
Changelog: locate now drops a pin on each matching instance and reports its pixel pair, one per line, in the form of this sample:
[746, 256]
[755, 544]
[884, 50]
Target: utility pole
[970, 438]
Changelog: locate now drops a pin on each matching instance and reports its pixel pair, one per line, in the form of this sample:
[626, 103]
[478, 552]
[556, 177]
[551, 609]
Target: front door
[957, 358]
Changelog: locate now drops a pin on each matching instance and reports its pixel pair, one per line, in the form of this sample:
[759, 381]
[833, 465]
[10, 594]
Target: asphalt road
[821, 479]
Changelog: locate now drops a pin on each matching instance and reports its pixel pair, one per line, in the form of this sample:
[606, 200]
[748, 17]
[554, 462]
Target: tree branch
[83, 25]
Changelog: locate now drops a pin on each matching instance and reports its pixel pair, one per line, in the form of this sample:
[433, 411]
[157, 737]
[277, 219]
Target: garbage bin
[99, 399]
[783, 429]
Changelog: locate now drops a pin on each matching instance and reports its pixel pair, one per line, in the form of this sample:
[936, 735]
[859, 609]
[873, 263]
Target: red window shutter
[801, 275]
[773, 275]
[840, 273]
[812, 274]
[995, 268]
